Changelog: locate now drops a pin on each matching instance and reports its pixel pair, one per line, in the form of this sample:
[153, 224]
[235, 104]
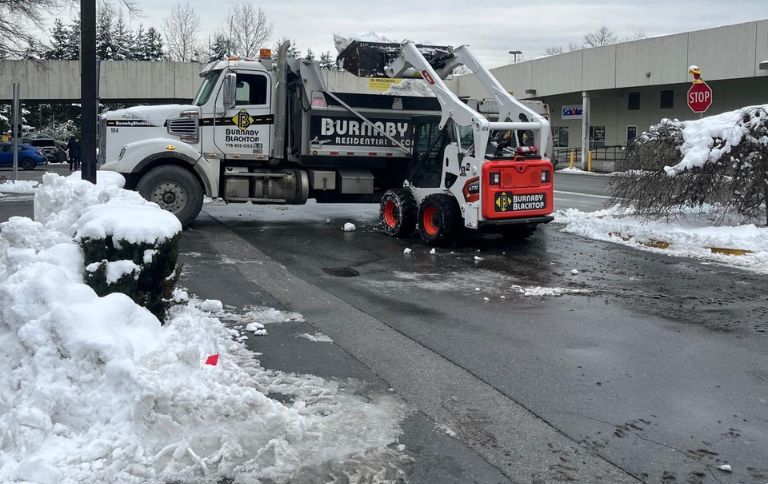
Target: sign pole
[16, 133]
[88, 88]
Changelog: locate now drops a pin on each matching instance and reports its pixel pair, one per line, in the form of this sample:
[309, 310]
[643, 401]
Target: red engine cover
[521, 193]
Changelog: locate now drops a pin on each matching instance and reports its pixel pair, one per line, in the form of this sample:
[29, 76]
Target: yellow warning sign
[242, 120]
[381, 84]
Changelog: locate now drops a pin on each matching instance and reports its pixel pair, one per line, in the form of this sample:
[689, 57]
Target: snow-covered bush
[129, 245]
[720, 160]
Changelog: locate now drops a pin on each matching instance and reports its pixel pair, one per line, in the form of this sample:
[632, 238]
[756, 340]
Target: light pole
[515, 53]
[89, 79]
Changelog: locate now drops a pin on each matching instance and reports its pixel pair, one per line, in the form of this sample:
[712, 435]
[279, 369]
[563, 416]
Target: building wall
[610, 107]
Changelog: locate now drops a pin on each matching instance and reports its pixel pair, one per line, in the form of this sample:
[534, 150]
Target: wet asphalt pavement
[647, 367]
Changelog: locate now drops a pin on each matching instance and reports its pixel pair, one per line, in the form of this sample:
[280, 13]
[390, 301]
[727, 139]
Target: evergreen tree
[153, 42]
[310, 55]
[219, 49]
[137, 47]
[73, 40]
[34, 50]
[59, 42]
[327, 62]
[123, 40]
[105, 44]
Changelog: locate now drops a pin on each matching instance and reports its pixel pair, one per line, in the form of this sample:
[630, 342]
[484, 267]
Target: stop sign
[700, 97]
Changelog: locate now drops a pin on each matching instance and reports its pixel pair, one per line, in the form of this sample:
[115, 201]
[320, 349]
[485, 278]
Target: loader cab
[429, 143]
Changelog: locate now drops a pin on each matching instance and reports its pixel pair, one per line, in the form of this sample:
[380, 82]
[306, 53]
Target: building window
[631, 134]
[561, 137]
[667, 100]
[633, 101]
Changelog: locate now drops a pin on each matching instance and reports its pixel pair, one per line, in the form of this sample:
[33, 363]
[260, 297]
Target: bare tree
[553, 50]
[600, 37]
[573, 47]
[248, 28]
[639, 34]
[182, 26]
[21, 19]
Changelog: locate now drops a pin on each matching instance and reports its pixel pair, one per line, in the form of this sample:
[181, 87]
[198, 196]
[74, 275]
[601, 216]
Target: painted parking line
[588, 195]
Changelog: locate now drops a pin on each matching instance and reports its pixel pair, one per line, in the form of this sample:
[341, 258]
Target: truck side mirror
[230, 91]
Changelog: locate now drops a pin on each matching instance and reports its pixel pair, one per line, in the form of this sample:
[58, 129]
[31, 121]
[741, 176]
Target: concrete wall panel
[664, 58]
[599, 68]
[725, 52]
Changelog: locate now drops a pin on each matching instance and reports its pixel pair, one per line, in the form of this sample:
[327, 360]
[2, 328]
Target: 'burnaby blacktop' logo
[242, 120]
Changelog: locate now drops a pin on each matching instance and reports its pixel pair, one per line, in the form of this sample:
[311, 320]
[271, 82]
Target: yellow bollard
[589, 161]
[571, 159]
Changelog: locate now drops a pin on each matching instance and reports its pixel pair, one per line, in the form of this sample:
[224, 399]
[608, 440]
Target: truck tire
[439, 219]
[397, 212]
[175, 189]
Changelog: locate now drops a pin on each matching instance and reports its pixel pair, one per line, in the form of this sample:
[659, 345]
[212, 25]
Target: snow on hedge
[95, 389]
[699, 136]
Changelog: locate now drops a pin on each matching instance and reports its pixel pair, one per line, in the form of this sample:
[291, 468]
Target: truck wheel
[175, 189]
[28, 164]
[397, 212]
[439, 219]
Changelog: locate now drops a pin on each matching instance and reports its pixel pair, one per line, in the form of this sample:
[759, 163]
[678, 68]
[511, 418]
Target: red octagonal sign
[700, 97]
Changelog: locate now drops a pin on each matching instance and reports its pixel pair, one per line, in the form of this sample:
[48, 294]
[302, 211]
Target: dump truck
[269, 131]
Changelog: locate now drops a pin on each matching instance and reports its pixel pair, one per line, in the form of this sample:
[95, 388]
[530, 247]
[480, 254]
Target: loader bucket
[368, 59]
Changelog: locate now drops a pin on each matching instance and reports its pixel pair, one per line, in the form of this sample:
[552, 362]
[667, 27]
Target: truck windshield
[204, 93]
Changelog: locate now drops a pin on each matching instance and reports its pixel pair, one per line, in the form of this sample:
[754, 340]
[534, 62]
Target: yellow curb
[725, 251]
[652, 243]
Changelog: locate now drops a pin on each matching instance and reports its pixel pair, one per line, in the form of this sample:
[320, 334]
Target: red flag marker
[212, 360]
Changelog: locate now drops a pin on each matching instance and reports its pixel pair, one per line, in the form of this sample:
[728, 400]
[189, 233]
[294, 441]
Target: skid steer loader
[467, 172]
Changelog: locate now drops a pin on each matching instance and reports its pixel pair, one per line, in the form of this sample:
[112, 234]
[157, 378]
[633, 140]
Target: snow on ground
[699, 137]
[94, 389]
[21, 187]
[579, 171]
[691, 234]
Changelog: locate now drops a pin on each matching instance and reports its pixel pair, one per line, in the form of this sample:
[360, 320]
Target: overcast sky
[491, 28]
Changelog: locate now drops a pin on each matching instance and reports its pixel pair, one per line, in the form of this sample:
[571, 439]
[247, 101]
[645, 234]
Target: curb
[662, 244]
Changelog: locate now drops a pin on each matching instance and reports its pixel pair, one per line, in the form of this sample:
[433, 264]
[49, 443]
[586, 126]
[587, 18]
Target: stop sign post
[700, 97]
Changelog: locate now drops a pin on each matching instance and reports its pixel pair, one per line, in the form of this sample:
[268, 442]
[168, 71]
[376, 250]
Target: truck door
[245, 132]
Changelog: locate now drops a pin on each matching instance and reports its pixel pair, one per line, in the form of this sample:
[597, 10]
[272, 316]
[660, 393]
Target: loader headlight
[494, 178]
[545, 175]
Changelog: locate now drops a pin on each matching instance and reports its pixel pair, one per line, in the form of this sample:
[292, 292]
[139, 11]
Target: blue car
[29, 156]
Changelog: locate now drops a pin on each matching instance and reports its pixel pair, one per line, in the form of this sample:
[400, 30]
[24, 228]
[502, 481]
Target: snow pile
[342, 41]
[94, 389]
[699, 136]
[22, 187]
[317, 337]
[691, 234]
[410, 87]
[349, 227]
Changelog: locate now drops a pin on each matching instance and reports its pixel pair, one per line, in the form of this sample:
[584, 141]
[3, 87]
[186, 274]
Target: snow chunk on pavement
[725, 468]
[317, 337]
[349, 227]
[575, 272]
[407, 251]
[212, 306]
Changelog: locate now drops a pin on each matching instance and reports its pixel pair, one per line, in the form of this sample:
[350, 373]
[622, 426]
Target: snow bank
[699, 136]
[18, 187]
[94, 389]
[691, 234]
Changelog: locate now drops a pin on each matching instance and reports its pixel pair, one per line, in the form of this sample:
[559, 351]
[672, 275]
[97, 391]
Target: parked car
[29, 156]
[51, 148]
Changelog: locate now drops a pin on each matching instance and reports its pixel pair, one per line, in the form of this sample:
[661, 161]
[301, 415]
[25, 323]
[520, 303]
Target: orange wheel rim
[428, 222]
[390, 216]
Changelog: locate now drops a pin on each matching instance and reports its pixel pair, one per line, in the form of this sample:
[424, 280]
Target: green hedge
[153, 286]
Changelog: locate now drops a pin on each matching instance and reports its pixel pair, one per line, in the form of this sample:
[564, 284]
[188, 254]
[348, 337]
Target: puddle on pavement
[341, 271]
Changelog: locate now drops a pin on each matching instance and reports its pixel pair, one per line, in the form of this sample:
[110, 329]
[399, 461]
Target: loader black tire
[397, 212]
[175, 189]
[439, 219]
